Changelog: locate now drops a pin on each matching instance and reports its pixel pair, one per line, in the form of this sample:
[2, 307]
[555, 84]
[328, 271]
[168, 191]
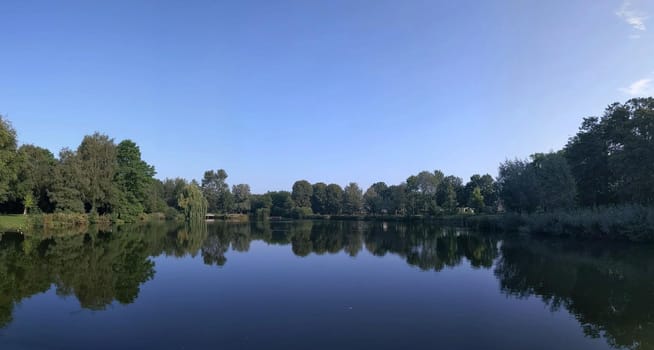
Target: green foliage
[260, 201]
[517, 182]
[449, 192]
[172, 188]
[66, 194]
[133, 180]
[193, 203]
[216, 191]
[35, 176]
[241, 193]
[477, 200]
[352, 199]
[301, 212]
[333, 199]
[8, 166]
[421, 192]
[612, 157]
[319, 198]
[28, 202]
[488, 190]
[98, 164]
[302, 193]
[377, 199]
[554, 180]
[282, 203]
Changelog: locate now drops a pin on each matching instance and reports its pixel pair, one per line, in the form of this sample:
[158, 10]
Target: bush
[625, 222]
[171, 213]
[301, 213]
[263, 213]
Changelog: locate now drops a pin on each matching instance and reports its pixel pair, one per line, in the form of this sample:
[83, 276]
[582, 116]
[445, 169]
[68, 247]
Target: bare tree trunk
[24, 210]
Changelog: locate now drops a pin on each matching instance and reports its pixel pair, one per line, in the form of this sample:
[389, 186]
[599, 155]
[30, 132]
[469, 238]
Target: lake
[322, 285]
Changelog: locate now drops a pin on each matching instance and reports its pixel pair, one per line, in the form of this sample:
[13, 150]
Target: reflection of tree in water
[609, 289]
[97, 269]
[100, 268]
[430, 247]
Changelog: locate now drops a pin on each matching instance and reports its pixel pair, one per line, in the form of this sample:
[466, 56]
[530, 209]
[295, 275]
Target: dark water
[322, 285]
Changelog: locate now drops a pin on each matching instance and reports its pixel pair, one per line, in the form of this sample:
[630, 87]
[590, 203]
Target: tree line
[610, 161]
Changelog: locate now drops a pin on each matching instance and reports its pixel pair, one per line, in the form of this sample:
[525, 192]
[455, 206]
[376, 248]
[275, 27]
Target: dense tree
[302, 193]
[612, 157]
[260, 202]
[8, 166]
[352, 199]
[487, 188]
[66, 194]
[35, 176]
[172, 188]
[450, 193]
[241, 194]
[397, 199]
[554, 181]
[376, 198]
[333, 199]
[476, 200]
[421, 192]
[282, 203]
[154, 200]
[133, 179]
[98, 164]
[518, 189]
[588, 155]
[216, 191]
[319, 198]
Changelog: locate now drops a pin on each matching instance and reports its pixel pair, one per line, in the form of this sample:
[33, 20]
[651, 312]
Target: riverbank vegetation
[601, 184]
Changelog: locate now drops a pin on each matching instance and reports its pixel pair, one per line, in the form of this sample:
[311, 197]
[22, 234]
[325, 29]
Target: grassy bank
[66, 222]
[13, 223]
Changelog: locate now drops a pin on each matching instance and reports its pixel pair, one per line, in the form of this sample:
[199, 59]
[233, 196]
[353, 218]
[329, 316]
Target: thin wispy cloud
[634, 17]
[639, 88]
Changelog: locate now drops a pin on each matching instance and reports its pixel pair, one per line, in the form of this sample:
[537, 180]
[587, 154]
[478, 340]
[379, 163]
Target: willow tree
[193, 203]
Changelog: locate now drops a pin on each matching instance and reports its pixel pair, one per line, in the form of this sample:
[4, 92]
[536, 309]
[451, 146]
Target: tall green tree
[8, 166]
[35, 176]
[333, 199]
[352, 199]
[376, 198]
[554, 180]
[319, 198]
[97, 160]
[242, 195]
[302, 192]
[588, 156]
[282, 203]
[66, 194]
[216, 191]
[518, 186]
[421, 192]
[396, 199]
[477, 200]
[450, 193]
[133, 179]
[487, 188]
[172, 188]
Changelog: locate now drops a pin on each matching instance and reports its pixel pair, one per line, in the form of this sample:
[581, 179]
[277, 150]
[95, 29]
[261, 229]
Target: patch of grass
[12, 222]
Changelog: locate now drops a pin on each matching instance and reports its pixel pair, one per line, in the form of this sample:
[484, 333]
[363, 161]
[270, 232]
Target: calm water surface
[322, 285]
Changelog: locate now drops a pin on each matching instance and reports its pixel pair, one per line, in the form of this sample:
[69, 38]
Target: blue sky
[332, 91]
